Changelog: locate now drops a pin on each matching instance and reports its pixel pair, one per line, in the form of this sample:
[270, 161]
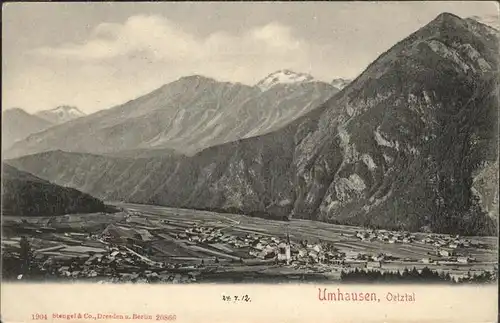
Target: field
[171, 244]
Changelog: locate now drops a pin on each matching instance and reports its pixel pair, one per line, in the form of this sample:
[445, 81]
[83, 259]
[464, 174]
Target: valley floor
[146, 243]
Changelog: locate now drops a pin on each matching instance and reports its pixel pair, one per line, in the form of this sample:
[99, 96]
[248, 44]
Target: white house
[351, 254]
[259, 246]
[445, 253]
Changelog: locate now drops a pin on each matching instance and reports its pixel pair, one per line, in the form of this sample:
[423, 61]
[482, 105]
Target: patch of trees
[20, 265]
[30, 198]
[425, 275]
[482, 278]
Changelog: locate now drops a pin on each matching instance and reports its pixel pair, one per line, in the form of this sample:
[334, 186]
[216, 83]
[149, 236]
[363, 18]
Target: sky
[96, 55]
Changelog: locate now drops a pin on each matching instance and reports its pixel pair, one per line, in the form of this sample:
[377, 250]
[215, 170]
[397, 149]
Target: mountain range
[410, 144]
[186, 116]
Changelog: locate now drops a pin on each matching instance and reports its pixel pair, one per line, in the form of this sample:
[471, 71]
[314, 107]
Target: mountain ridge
[186, 115]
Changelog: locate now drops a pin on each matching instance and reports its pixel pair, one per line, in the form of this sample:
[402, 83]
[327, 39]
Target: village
[143, 247]
[445, 245]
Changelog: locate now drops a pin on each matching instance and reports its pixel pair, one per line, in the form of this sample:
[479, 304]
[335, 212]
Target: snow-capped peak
[283, 77]
[66, 109]
[61, 114]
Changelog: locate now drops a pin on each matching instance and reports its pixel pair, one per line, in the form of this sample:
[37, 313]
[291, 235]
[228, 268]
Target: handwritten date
[236, 298]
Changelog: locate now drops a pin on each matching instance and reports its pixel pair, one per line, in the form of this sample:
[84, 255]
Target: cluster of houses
[450, 260]
[267, 247]
[445, 245]
[446, 249]
[209, 235]
[447, 241]
[385, 236]
[271, 249]
[259, 246]
[448, 256]
[306, 253]
[284, 251]
[117, 264]
[111, 262]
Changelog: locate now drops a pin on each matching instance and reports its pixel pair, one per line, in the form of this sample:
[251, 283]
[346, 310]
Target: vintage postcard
[250, 162]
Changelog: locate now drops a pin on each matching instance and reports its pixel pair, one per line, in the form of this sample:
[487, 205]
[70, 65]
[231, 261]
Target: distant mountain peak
[447, 20]
[284, 76]
[61, 114]
[448, 16]
[15, 110]
[17, 124]
[68, 109]
[197, 78]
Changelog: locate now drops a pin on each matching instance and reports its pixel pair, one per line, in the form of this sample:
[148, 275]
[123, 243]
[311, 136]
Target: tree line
[426, 275]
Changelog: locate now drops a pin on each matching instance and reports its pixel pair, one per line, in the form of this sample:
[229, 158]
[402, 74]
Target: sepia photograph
[251, 143]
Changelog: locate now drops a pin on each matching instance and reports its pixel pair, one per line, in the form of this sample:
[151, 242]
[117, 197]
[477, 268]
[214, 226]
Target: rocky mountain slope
[60, 114]
[27, 195]
[407, 145]
[17, 124]
[187, 115]
[106, 176]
